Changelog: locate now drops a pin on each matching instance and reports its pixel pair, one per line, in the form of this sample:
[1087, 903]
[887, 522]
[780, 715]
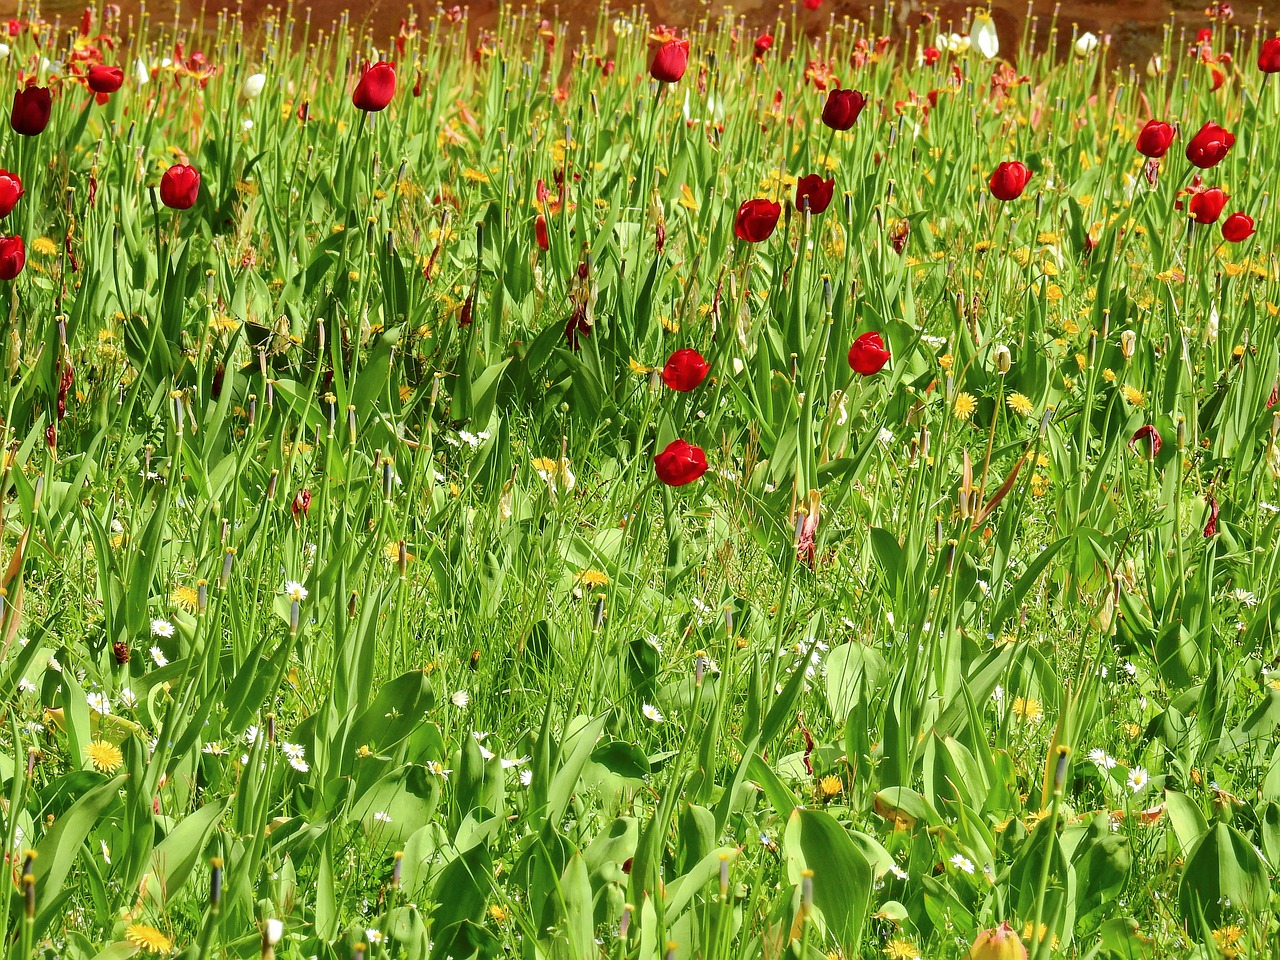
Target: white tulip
[253, 86]
[1086, 43]
[140, 72]
[952, 42]
[1155, 66]
[4, 51]
[984, 37]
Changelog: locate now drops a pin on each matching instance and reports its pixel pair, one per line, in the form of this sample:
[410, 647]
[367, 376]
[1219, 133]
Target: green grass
[340, 589]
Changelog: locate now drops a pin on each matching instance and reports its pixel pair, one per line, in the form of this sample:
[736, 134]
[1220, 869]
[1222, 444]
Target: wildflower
[158, 657]
[591, 578]
[161, 628]
[186, 598]
[147, 938]
[104, 757]
[98, 703]
[1020, 404]
[214, 749]
[1133, 396]
[652, 713]
[26, 686]
[830, 785]
[961, 862]
[901, 949]
[498, 913]
[1245, 597]
[128, 697]
[437, 768]
[1028, 708]
[526, 777]
[460, 699]
[295, 591]
[964, 406]
[374, 936]
[1137, 779]
[898, 872]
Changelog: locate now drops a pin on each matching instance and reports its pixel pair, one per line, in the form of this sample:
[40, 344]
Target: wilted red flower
[1154, 139]
[763, 43]
[816, 191]
[680, 463]
[1211, 524]
[10, 192]
[1009, 180]
[540, 233]
[376, 87]
[1237, 228]
[868, 355]
[1206, 206]
[32, 107]
[756, 220]
[842, 108]
[301, 503]
[931, 56]
[1146, 442]
[1210, 144]
[179, 187]
[1269, 56]
[685, 370]
[812, 4]
[670, 61]
[104, 79]
[13, 257]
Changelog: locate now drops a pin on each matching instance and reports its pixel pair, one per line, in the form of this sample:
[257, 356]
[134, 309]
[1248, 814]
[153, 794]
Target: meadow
[666, 491]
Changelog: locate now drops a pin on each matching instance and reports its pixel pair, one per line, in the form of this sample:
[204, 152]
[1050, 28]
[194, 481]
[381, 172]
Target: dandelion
[186, 598]
[158, 657]
[592, 578]
[1020, 404]
[964, 406]
[1133, 396]
[44, 246]
[161, 628]
[830, 785]
[460, 699]
[295, 591]
[651, 712]
[105, 757]
[98, 703]
[961, 862]
[147, 938]
[901, 949]
[1137, 779]
[1027, 708]
[498, 913]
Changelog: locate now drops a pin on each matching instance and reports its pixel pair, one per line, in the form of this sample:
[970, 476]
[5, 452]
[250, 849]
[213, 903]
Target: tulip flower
[1009, 180]
[10, 192]
[1085, 44]
[842, 108]
[1154, 139]
[868, 355]
[1211, 521]
[32, 107]
[680, 463]
[13, 257]
[540, 233]
[179, 187]
[376, 87]
[685, 370]
[756, 220]
[998, 943]
[1237, 228]
[1269, 56]
[1206, 206]
[103, 79]
[253, 86]
[931, 56]
[764, 43]
[1146, 442]
[670, 61]
[1207, 148]
[816, 191]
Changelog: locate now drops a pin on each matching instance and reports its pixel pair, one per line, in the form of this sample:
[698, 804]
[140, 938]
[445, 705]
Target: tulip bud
[1128, 343]
[1003, 358]
[998, 943]
[253, 86]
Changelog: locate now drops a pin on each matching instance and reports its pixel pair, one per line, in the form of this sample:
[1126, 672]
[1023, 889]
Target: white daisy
[460, 699]
[1137, 779]
[98, 703]
[158, 657]
[295, 591]
[161, 628]
[652, 712]
[961, 862]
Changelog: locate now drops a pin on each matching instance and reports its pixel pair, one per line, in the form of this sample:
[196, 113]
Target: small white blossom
[98, 703]
[1137, 779]
[961, 862]
[158, 657]
[652, 712]
[460, 699]
[161, 628]
[295, 591]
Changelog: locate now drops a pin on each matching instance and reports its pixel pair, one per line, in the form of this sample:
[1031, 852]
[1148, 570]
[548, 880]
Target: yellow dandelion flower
[1043, 933]
[1027, 708]
[105, 757]
[592, 578]
[1046, 237]
[669, 325]
[1053, 293]
[964, 406]
[638, 368]
[1039, 485]
[946, 360]
[246, 188]
[407, 188]
[830, 785]
[687, 199]
[1082, 361]
[147, 938]
[901, 949]
[498, 913]
[44, 246]
[1134, 396]
[1109, 375]
[392, 552]
[223, 324]
[475, 176]
[185, 597]
[1020, 404]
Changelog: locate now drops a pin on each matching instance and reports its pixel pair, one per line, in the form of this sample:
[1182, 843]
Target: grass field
[571, 496]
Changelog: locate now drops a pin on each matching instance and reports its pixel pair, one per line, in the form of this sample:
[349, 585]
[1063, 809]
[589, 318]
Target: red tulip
[670, 61]
[1009, 180]
[540, 233]
[1269, 56]
[756, 220]
[1207, 148]
[1206, 206]
[868, 355]
[32, 107]
[301, 503]
[13, 257]
[10, 192]
[816, 191]
[376, 87]
[1154, 139]
[104, 79]
[842, 108]
[763, 43]
[931, 56]
[179, 187]
[1211, 522]
[1149, 438]
[1237, 228]
[685, 370]
[680, 463]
